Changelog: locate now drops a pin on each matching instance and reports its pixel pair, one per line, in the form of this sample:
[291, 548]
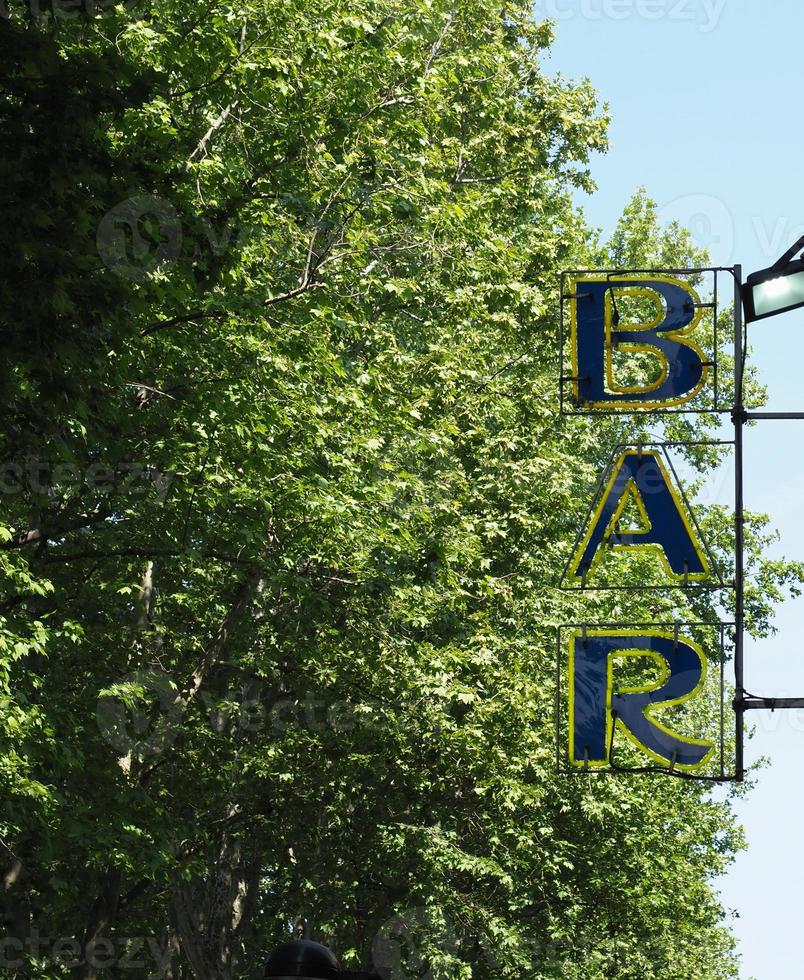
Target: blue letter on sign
[597, 703]
[640, 478]
[597, 336]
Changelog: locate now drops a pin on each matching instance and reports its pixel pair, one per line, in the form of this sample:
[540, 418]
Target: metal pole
[739, 527]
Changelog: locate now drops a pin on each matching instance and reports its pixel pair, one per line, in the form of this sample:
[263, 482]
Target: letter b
[672, 366]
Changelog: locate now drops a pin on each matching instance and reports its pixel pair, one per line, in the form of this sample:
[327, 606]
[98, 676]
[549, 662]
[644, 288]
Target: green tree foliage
[285, 493]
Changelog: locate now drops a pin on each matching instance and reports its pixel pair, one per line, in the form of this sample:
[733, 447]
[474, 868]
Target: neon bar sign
[635, 345]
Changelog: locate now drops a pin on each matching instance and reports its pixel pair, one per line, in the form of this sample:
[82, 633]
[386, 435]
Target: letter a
[640, 478]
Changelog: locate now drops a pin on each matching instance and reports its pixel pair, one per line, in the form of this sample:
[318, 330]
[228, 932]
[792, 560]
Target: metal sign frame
[719, 585]
[569, 406]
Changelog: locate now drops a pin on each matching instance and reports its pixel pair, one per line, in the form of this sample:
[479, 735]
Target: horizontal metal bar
[725, 587]
[673, 445]
[772, 704]
[644, 771]
[645, 412]
[784, 416]
[635, 272]
[639, 626]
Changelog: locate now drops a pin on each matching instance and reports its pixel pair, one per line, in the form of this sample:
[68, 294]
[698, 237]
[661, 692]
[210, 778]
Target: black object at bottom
[304, 959]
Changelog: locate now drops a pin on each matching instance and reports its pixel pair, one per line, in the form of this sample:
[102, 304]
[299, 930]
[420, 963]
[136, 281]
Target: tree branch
[211, 655]
[146, 552]
[216, 125]
[158, 325]
[40, 535]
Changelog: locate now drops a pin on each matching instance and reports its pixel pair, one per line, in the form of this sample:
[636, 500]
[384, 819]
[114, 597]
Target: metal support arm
[768, 704]
[783, 416]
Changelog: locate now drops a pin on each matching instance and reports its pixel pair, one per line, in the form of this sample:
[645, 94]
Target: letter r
[598, 701]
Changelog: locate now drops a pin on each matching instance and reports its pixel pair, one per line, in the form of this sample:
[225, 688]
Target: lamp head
[777, 289]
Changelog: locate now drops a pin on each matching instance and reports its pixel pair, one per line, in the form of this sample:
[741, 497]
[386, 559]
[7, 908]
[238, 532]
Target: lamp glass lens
[779, 294]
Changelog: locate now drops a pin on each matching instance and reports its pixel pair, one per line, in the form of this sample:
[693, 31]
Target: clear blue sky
[704, 98]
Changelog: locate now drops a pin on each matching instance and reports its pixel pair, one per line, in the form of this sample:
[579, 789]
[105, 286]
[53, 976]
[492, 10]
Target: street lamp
[304, 959]
[765, 293]
[777, 289]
